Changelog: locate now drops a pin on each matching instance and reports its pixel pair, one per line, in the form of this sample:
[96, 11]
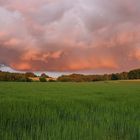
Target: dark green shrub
[42, 79]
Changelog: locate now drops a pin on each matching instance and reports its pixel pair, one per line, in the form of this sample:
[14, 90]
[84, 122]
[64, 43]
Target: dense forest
[26, 77]
[17, 77]
[133, 74]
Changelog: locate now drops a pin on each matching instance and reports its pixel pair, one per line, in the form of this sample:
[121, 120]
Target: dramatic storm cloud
[70, 35]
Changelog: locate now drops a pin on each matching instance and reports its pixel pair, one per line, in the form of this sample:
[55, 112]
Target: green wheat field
[70, 111]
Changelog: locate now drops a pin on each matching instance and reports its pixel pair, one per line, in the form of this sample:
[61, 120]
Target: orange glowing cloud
[22, 66]
[76, 35]
[85, 65]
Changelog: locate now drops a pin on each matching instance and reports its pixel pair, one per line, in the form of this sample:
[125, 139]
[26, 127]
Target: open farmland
[70, 111]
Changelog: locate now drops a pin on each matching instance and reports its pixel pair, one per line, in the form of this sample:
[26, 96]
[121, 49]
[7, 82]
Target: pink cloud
[63, 35]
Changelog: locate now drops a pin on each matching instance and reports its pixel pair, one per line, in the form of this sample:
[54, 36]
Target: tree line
[23, 77]
[133, 74]
[17, 77]
[26, 77]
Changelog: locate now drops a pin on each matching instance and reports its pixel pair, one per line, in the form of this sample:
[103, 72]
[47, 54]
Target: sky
[98, 36]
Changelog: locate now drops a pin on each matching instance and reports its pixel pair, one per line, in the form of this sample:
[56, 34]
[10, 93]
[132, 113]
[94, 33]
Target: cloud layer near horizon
[76, 35]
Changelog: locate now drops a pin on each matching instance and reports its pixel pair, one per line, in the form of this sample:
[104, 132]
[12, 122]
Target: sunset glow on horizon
[70, 35]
